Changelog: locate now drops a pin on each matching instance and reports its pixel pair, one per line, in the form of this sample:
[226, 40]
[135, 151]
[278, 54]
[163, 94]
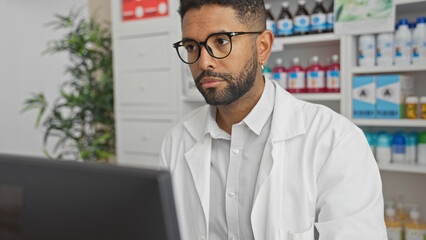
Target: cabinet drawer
[141, 88]
[142, 136]
[149, 52]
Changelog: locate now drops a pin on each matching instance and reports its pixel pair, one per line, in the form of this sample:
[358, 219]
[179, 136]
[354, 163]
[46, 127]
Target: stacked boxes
[381, 96]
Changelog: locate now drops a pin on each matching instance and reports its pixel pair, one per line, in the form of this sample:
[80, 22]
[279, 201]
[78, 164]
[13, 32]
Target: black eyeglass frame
[176, 45]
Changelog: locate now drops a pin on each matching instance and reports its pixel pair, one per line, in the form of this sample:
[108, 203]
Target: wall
[24, 70]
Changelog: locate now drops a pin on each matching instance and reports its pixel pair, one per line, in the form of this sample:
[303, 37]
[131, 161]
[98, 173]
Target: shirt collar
[255, 120]
[258, 116]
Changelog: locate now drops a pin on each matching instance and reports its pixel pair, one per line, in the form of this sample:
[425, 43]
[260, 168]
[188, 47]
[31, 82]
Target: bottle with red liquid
[315, 77]
[333, 75]
[280, 73]
[296, 77]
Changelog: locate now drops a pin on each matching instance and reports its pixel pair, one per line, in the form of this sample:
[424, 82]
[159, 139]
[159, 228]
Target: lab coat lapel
[287, 122]
[198, 159]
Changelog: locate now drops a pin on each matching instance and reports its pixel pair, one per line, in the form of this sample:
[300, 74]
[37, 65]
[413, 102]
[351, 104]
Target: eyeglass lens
[218, 45]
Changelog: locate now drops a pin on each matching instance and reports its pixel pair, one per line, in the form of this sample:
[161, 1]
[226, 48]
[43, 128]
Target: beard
[238, 84]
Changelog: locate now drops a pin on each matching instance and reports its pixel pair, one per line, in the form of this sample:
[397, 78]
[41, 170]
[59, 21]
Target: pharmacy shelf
[391, 122]
[388, 69]
[318, 96]
[404, 2]
[315, 39]
[407, 168]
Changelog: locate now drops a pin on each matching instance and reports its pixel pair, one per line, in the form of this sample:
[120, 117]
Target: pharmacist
[256, 163]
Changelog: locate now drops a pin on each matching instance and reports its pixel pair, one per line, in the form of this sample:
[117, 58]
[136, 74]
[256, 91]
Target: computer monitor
[52, 199]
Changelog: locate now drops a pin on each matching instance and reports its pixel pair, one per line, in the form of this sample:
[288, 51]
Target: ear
[264, 45]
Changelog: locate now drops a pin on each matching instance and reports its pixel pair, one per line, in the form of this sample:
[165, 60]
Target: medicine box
[364, 96]
[391, 93]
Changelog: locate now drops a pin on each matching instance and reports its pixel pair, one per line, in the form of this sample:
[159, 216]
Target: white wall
[23, 68]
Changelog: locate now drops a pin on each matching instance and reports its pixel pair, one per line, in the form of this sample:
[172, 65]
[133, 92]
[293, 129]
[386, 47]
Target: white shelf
[404, 2]
[281, 42]
[406, 168]
[388, 69]
[390, 122]
[318, 96]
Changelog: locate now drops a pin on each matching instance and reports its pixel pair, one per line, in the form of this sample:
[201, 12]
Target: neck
[228, 115]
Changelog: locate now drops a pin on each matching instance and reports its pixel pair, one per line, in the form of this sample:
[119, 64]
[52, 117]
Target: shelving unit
[318, 96]
[388, 69]
[411, 123]
[300, 41]
[405, 168]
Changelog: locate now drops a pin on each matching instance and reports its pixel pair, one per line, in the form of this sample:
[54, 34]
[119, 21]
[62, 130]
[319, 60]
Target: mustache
[210, 73]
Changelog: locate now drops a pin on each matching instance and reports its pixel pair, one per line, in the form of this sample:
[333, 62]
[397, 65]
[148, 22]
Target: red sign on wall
[142, 9]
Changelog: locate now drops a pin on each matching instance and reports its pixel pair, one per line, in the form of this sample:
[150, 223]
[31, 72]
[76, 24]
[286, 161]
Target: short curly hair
[250, 12]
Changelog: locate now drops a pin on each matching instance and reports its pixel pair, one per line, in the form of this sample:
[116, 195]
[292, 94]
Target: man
[257, 163]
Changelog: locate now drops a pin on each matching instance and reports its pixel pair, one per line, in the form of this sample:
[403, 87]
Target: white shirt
[235, 161]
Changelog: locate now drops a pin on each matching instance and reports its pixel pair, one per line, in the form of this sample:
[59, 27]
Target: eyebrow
[221, 31]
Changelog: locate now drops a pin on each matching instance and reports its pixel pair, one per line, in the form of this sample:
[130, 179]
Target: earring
[262, 66]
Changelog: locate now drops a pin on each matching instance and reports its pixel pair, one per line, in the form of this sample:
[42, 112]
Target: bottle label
[423, 111]
[384, 51]
[330, 21]
[281, 78]
[394, 233]
[270, 25]
[402, 49]
[333, 79]
[301, 24]
[296, 80]
[316, 79]
[318, 22]
[285, 27]
[419, 49]
[415, 234]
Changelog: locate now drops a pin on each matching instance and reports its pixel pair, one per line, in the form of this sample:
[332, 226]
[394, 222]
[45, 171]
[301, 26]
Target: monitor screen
[51, 199]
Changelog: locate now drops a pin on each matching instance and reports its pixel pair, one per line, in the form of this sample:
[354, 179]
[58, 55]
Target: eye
[190, 46]
[222, 41]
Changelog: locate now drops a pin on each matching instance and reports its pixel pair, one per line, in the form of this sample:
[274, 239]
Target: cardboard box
[391, 93]
[364, 96]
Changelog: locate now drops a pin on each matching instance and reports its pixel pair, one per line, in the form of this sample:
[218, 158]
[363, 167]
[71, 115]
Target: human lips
[210, 82]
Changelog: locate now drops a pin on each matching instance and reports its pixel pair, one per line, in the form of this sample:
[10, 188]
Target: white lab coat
[317, 170]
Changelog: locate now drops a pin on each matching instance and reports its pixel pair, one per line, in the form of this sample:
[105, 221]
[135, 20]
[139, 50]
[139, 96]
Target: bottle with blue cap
[419, 42]
[403, 43]
[370, 140]
[399, 148]
[384, 147]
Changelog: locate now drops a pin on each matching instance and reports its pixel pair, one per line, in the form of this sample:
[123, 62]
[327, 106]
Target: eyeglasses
[218, 45]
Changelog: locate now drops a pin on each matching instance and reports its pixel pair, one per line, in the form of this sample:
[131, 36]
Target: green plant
[82, 117]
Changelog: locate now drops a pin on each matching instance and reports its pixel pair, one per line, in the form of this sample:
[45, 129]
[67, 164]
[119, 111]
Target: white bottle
[403, 43]
[384, 148]
[411, 148]
[366, 50]
[385, 47]
[419, 42]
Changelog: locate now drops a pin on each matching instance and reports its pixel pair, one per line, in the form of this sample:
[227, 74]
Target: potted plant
[81, 120]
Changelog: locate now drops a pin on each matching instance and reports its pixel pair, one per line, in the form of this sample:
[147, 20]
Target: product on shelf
[391, 93]
[330, 18]
[414, 228]
[393, 225]
[315, 81]
[385, 47]
[364, 96]
[301, 20]
[411, 148]
[399, 148]
[285, 22]
[318, 18]
[267, 71]
[411, 108]
[270, 23]
[403, 43]
[296, 77]
[419, 42]
[366, 50]
[280, 73]
[384, 148]
[423, 107]
[370, 140]
[421, 149]
[333, 75]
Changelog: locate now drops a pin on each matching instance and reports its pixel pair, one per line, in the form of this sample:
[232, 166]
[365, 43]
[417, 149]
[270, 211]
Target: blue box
[391, 93]
[364, 96]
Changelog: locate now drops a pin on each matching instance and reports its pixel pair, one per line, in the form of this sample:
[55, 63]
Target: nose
[206, 61]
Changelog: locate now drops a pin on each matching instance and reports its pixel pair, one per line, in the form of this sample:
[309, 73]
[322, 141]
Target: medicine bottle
[399, 148]
[411, 108]
[421, 149]
[384, 148]
[423, 107]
